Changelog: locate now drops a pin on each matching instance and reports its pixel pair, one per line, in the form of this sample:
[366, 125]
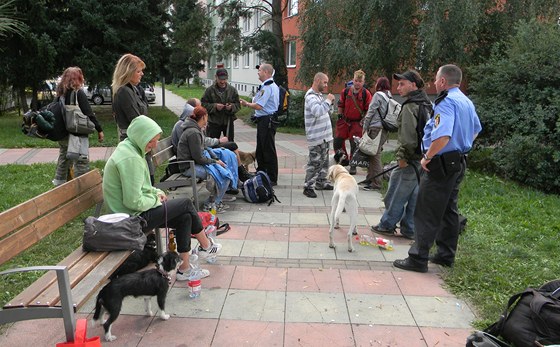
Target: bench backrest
[163, 151]
[26, 224]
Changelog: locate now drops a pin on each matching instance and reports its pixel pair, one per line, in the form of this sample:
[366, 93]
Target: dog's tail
[340, 205]
[98, 307]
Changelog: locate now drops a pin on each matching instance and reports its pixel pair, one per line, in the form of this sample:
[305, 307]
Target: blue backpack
[259, 189]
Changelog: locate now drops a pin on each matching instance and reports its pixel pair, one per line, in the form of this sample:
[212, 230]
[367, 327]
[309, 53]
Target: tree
[190, 43]
[8, 21]
[377, 36]
[519, 104]
[269, 43]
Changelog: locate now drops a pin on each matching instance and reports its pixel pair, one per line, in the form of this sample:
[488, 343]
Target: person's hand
[221, 163]
[220, 107]
[330, 97]
[223, 139]
[424, 164]
[243, 102]
[162, 197]
[229, 106]
[100, 136]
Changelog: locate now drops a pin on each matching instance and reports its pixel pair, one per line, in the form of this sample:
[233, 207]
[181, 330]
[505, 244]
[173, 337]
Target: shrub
[295, 110]
[519, 105]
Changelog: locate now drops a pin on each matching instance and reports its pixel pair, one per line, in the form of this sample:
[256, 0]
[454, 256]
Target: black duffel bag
[531, 316]
[123, 234]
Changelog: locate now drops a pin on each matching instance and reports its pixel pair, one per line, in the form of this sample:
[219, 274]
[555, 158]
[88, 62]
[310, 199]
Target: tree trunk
[279, 61]
[22, 99]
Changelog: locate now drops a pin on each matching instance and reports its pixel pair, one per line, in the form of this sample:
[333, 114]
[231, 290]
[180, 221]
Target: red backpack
[211, 224]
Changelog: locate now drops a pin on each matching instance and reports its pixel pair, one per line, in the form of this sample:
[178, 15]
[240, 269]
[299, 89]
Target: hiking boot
[243, 174]
[369, 188]
[386, 232]
[410, 265]
[364, 183]
[232, 191]
[437, 260]
[309, 192]
[192, 275]
[352, 170]
[326, 186]
[212, 250]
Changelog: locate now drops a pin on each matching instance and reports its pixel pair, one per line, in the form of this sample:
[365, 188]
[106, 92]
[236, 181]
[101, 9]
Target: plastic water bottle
[384, 243]
[195, 283]
[213, 209]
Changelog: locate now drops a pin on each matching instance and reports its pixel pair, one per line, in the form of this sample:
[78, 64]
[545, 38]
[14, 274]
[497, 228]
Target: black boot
[244, 175]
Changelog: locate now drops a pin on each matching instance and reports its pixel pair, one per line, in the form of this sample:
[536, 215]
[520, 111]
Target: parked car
[149, 91]
[46, 93]
[99, 94]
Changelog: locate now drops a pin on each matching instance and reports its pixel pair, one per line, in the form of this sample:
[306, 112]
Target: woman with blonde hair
[70, 88]
[129, 100]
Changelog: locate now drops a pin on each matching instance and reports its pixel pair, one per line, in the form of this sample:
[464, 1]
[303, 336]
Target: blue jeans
[400, 199]
[201, 173]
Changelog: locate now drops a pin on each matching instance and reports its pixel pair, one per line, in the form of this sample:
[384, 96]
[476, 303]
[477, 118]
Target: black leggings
[181, 216]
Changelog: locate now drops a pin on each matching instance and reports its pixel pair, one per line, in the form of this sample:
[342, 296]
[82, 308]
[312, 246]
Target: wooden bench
[160, 156]
[64, 288]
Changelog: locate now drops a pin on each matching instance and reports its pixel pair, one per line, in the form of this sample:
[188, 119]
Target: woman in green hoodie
[127, 189]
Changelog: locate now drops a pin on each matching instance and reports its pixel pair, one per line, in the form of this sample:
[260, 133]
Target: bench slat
[96, 278]
[50, 295]
[26, 212]
[26, 237]
[31, 292]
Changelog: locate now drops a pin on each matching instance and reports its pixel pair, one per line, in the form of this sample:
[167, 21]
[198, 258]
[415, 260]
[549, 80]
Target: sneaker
[387, 232]
[221, 207]
[363, 183]
[212, 251]
[309, 192]
[228, 198]
[192, 274]
[369, 187]
[352, 170]
[326, 186]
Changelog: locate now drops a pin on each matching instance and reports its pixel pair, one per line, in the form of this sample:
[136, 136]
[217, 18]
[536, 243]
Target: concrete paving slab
[316, 307]
[378, 309]
[428, 311]
[253, 305]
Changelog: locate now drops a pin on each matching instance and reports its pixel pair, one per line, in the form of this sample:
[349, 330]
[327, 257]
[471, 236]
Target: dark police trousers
[266, 156]
[436, 217]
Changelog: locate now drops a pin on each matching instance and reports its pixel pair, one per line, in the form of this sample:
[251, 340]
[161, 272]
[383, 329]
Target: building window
[246, 60]
[292, 7]
[228, 62]
[257, 18]
[291, 53]
[236, 62]
[247, 24]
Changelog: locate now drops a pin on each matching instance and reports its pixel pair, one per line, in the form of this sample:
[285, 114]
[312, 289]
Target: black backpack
[283, 99]
[259, 189]
[530, 316]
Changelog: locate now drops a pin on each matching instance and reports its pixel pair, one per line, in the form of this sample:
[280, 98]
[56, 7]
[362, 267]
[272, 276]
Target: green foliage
[519, 105]
[190, 42]
[8, 20]
[295, 117]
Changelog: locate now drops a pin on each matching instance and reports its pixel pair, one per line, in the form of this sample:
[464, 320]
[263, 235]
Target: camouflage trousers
[317, 165]
[80, 166]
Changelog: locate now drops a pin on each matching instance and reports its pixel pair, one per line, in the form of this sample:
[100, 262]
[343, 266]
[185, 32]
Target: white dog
[345, 196]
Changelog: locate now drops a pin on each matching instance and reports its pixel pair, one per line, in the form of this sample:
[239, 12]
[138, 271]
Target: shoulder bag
[76, 121]
[114, 232]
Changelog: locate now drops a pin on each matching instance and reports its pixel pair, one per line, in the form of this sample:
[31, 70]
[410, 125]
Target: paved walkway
[277, 283]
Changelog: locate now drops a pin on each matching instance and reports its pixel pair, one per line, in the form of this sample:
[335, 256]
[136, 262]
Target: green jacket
[212, 96]
[126, 179]
[407, 140]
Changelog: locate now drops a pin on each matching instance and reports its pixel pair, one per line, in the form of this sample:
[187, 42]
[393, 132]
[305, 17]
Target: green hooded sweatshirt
[126, 179]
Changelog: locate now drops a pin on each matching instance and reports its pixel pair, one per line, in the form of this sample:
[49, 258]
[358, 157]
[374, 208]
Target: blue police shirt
[455, 116]
[267, 97]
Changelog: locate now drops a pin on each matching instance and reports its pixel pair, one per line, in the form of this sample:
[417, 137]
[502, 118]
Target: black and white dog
[138, 260]
[154, 282]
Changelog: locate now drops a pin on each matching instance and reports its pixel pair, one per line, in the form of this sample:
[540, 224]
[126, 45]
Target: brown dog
[247, 158]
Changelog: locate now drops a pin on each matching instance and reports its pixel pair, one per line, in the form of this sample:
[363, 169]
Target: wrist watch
[425, 156]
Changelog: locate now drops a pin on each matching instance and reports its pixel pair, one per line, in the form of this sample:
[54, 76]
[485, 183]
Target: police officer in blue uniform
[448, 137]
[265, 104]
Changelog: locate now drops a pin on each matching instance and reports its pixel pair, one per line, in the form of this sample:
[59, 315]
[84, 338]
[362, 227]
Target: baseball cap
[222, 74]
[411, 76]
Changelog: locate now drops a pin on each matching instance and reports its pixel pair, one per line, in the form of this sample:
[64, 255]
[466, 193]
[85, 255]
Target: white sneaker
[228, 198]
[192, 275]
[211, 252]
[221, 207]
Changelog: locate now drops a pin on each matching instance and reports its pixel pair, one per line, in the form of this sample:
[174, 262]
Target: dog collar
[164, 274]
